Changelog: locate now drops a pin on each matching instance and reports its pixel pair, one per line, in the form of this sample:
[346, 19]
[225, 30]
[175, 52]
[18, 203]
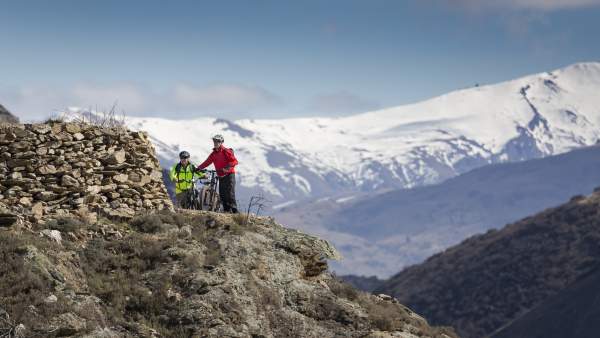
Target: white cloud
[341, 103]
[181, 100]
[553, 4]
[228, 97]
[542, 5]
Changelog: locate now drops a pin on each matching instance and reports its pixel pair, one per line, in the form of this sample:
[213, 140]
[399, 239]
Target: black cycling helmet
[184, 154]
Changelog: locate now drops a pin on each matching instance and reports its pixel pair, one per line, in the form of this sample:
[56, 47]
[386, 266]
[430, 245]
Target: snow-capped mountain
[406, 146]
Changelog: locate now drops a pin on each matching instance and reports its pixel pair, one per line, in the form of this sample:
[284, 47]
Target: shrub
[151, 223]
[21, 286]
[159, 221]
[342, 289]
[124, 275]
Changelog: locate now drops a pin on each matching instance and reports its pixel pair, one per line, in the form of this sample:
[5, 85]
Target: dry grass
[21, 287]
[124, 274]
[65, 224]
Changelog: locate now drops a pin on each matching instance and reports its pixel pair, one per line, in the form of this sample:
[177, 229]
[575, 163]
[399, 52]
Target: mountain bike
[192, 199]
[209, 195]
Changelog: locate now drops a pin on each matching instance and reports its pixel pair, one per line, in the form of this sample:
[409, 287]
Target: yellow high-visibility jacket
[184, 176]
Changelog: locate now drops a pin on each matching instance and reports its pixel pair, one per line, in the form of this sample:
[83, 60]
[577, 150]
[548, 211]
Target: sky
[276, 59]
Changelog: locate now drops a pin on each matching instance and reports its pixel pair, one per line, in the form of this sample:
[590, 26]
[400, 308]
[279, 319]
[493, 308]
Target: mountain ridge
[381, 233]
[400, 147]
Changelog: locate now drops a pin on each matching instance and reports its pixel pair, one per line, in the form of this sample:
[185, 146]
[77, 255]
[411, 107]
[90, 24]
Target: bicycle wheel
[215, 202]
[204, 197]
[194, 201]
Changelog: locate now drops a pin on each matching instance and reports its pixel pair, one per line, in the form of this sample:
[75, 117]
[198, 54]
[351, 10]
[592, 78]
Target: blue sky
[257, 59]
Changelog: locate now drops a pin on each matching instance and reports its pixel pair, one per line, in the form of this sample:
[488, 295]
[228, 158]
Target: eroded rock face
[191, 274]
[62, 168]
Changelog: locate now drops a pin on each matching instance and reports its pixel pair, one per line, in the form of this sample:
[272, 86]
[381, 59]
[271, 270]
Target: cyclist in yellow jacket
[183, 175]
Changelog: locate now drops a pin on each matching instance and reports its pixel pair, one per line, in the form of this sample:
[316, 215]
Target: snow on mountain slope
[399, 147]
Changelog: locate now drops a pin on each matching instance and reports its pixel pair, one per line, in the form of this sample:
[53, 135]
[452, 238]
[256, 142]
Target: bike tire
[216, 202]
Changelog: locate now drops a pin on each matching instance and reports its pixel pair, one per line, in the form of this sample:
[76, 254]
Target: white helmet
[218, 138]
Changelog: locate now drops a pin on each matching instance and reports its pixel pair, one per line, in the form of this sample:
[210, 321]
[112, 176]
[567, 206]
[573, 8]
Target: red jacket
[221, 157]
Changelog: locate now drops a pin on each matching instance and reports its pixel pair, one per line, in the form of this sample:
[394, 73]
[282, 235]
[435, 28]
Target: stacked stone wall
[61, 168]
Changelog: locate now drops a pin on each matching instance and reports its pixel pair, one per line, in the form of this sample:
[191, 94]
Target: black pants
[227, 192]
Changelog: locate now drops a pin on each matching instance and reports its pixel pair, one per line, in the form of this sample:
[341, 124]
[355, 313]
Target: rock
[108, 188]
[51, 299]
[77, 201]
[68, 181]
[72, 128]
[78, 136]
[47, 169]
[7, 219]
[121, 178]
[122, 212]
[37, 210]
[20, 146]
[41, 151]
[116, 157]
[25, 201]
[46, 196]
[15, 175]
[52, 234]
[17, 163]
[56, 128]
[94, 189]
[68, 324]
[41, 129]
[64, 136]
[26, 155]
[385, 297]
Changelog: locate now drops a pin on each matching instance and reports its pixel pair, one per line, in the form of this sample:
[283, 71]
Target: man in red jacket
[224, 161]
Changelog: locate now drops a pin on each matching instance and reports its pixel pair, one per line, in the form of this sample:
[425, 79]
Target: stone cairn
[57, 169]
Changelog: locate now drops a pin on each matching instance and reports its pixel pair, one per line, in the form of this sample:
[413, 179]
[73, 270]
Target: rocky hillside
[490, 280]
[91, 247]
[6, 116]
[185, 274]
[60, 168]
